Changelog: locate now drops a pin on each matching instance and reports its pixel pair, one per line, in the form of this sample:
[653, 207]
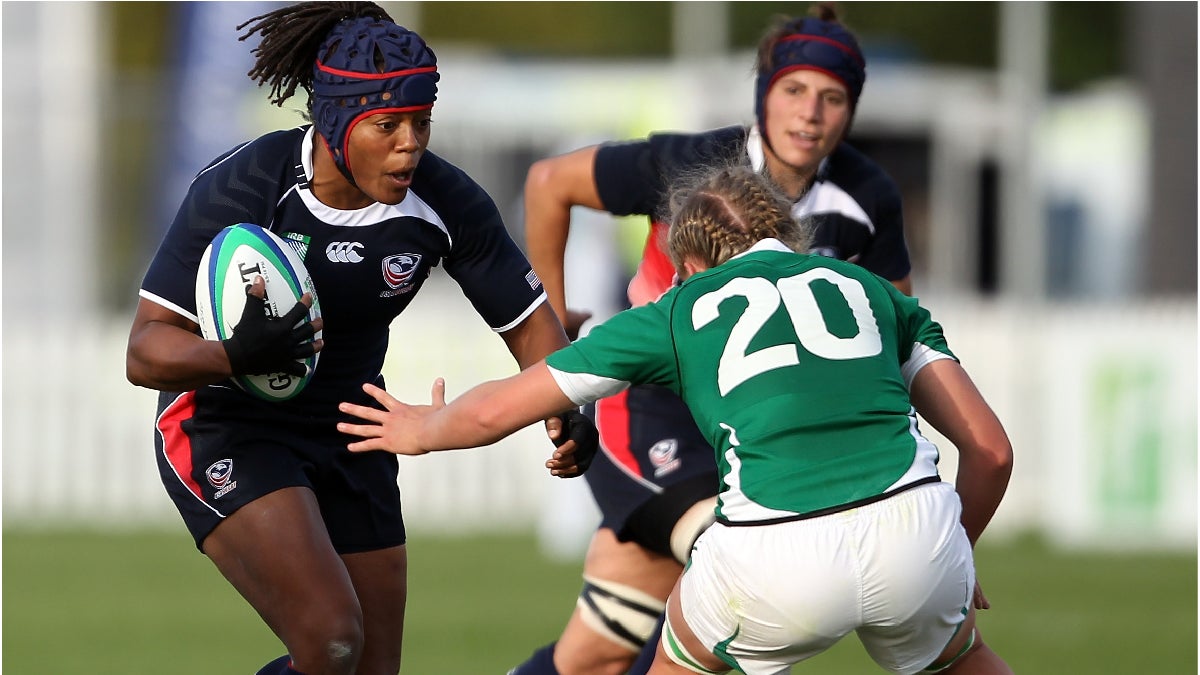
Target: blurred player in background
[655, 479]
[806, 374]
[309, 534]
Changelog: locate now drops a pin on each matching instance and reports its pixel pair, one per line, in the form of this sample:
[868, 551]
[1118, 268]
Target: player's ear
[691, 266]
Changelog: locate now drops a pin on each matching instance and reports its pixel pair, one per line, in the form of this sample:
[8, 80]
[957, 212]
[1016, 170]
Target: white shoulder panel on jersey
[825, 197]
[921, 356]
[584, 388]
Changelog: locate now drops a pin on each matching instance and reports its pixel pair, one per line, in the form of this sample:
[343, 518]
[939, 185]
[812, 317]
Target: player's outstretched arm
[945, 396]
[481, 416]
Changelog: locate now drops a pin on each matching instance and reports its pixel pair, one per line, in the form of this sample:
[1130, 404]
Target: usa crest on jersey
[398, 271]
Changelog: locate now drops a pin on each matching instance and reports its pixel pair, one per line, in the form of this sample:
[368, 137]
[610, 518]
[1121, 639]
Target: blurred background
[1046, 153]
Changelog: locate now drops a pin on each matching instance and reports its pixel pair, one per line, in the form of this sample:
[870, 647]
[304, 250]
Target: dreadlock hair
[291, 37]
[717, 213]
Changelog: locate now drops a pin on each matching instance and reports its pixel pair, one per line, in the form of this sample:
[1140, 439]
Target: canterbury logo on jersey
[343, 251]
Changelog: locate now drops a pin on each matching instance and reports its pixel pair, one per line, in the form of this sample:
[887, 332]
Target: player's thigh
[625, 588]
[276, 553]
[380, 580]
[629, 563]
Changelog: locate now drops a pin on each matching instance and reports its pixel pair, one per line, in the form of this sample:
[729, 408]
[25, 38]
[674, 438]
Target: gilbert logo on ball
[236, 255]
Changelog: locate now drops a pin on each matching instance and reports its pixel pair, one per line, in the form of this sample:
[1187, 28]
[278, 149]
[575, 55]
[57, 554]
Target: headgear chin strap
[349, 83]
[812, 44]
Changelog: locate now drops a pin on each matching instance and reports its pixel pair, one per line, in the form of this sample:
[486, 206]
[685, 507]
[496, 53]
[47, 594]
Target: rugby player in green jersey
[806, 374]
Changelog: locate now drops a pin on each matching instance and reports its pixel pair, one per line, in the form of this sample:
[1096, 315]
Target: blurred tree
[952, 33]
[578, 29]
[1086, 37]
[1087, 42]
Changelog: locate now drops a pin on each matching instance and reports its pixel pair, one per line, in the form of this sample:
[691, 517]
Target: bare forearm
[981, 486]
[493, 410]
[945, 395]
[479, 417]
[547, 225]
[552, 187]
[168, 358]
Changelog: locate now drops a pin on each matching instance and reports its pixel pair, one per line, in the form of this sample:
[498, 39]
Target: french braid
[721, 213]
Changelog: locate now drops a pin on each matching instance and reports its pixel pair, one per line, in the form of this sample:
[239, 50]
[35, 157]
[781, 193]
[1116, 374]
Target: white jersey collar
[768, 244]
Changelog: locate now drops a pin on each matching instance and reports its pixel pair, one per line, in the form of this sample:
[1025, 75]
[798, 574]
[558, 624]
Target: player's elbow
[542, 181]
[133, 373]
[137, 369]
[142, 374]
[994, 457]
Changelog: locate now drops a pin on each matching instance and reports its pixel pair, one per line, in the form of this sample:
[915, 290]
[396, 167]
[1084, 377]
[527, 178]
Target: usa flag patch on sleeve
[534, 281]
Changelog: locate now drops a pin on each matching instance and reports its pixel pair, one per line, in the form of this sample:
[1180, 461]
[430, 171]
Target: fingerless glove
[262, 344]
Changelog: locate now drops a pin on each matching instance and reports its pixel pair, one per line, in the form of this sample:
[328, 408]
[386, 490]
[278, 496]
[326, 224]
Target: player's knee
[329, 643]
[621, 613]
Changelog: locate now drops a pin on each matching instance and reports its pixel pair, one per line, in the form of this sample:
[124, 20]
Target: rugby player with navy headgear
[655, 479]
[311, 535]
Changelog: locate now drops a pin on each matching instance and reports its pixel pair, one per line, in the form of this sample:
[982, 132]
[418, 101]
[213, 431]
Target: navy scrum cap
[349, 82]
[813, 44]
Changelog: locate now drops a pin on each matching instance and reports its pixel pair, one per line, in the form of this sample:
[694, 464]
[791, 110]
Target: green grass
[100, 603]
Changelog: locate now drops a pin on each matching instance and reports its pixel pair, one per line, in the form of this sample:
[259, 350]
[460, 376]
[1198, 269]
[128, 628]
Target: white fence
[1100, 402]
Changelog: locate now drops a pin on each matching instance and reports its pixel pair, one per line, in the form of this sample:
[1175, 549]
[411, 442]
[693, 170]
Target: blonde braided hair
[718, 213]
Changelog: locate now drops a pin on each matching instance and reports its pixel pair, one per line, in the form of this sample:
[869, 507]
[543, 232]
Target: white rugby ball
[236, 255]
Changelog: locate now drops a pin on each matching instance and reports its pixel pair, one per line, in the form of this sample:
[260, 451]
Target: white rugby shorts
[898, 571]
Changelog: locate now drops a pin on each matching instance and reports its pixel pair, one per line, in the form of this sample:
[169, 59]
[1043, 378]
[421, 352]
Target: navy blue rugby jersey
[853, 206]
[366, 264]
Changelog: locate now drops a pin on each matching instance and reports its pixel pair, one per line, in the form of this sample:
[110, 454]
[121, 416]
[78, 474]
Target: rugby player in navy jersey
[655, 479]
[806, 374]
[309, 534]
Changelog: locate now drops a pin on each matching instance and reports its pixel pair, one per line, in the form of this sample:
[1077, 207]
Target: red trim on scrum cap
[792, 69]
[820, 38]
[367, 113]
[373, 76]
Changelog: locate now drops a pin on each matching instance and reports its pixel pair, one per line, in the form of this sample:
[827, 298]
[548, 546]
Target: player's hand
[576, 439]
[394, 429]
[263, 344]
[574, 322]
[979, 600]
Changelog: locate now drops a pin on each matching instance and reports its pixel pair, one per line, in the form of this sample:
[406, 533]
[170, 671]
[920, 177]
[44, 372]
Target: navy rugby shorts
[653, 464]
[214, 457]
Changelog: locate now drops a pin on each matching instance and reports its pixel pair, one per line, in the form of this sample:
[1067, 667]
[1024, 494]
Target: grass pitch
[100, 603]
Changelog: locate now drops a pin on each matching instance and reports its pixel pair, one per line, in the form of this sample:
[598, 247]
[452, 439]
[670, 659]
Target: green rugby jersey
[795, 367]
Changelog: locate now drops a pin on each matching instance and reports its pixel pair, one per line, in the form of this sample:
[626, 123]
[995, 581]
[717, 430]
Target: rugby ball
[227, 269]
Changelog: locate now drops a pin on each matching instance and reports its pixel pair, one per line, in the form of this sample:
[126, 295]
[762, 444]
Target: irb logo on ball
[227, 269]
